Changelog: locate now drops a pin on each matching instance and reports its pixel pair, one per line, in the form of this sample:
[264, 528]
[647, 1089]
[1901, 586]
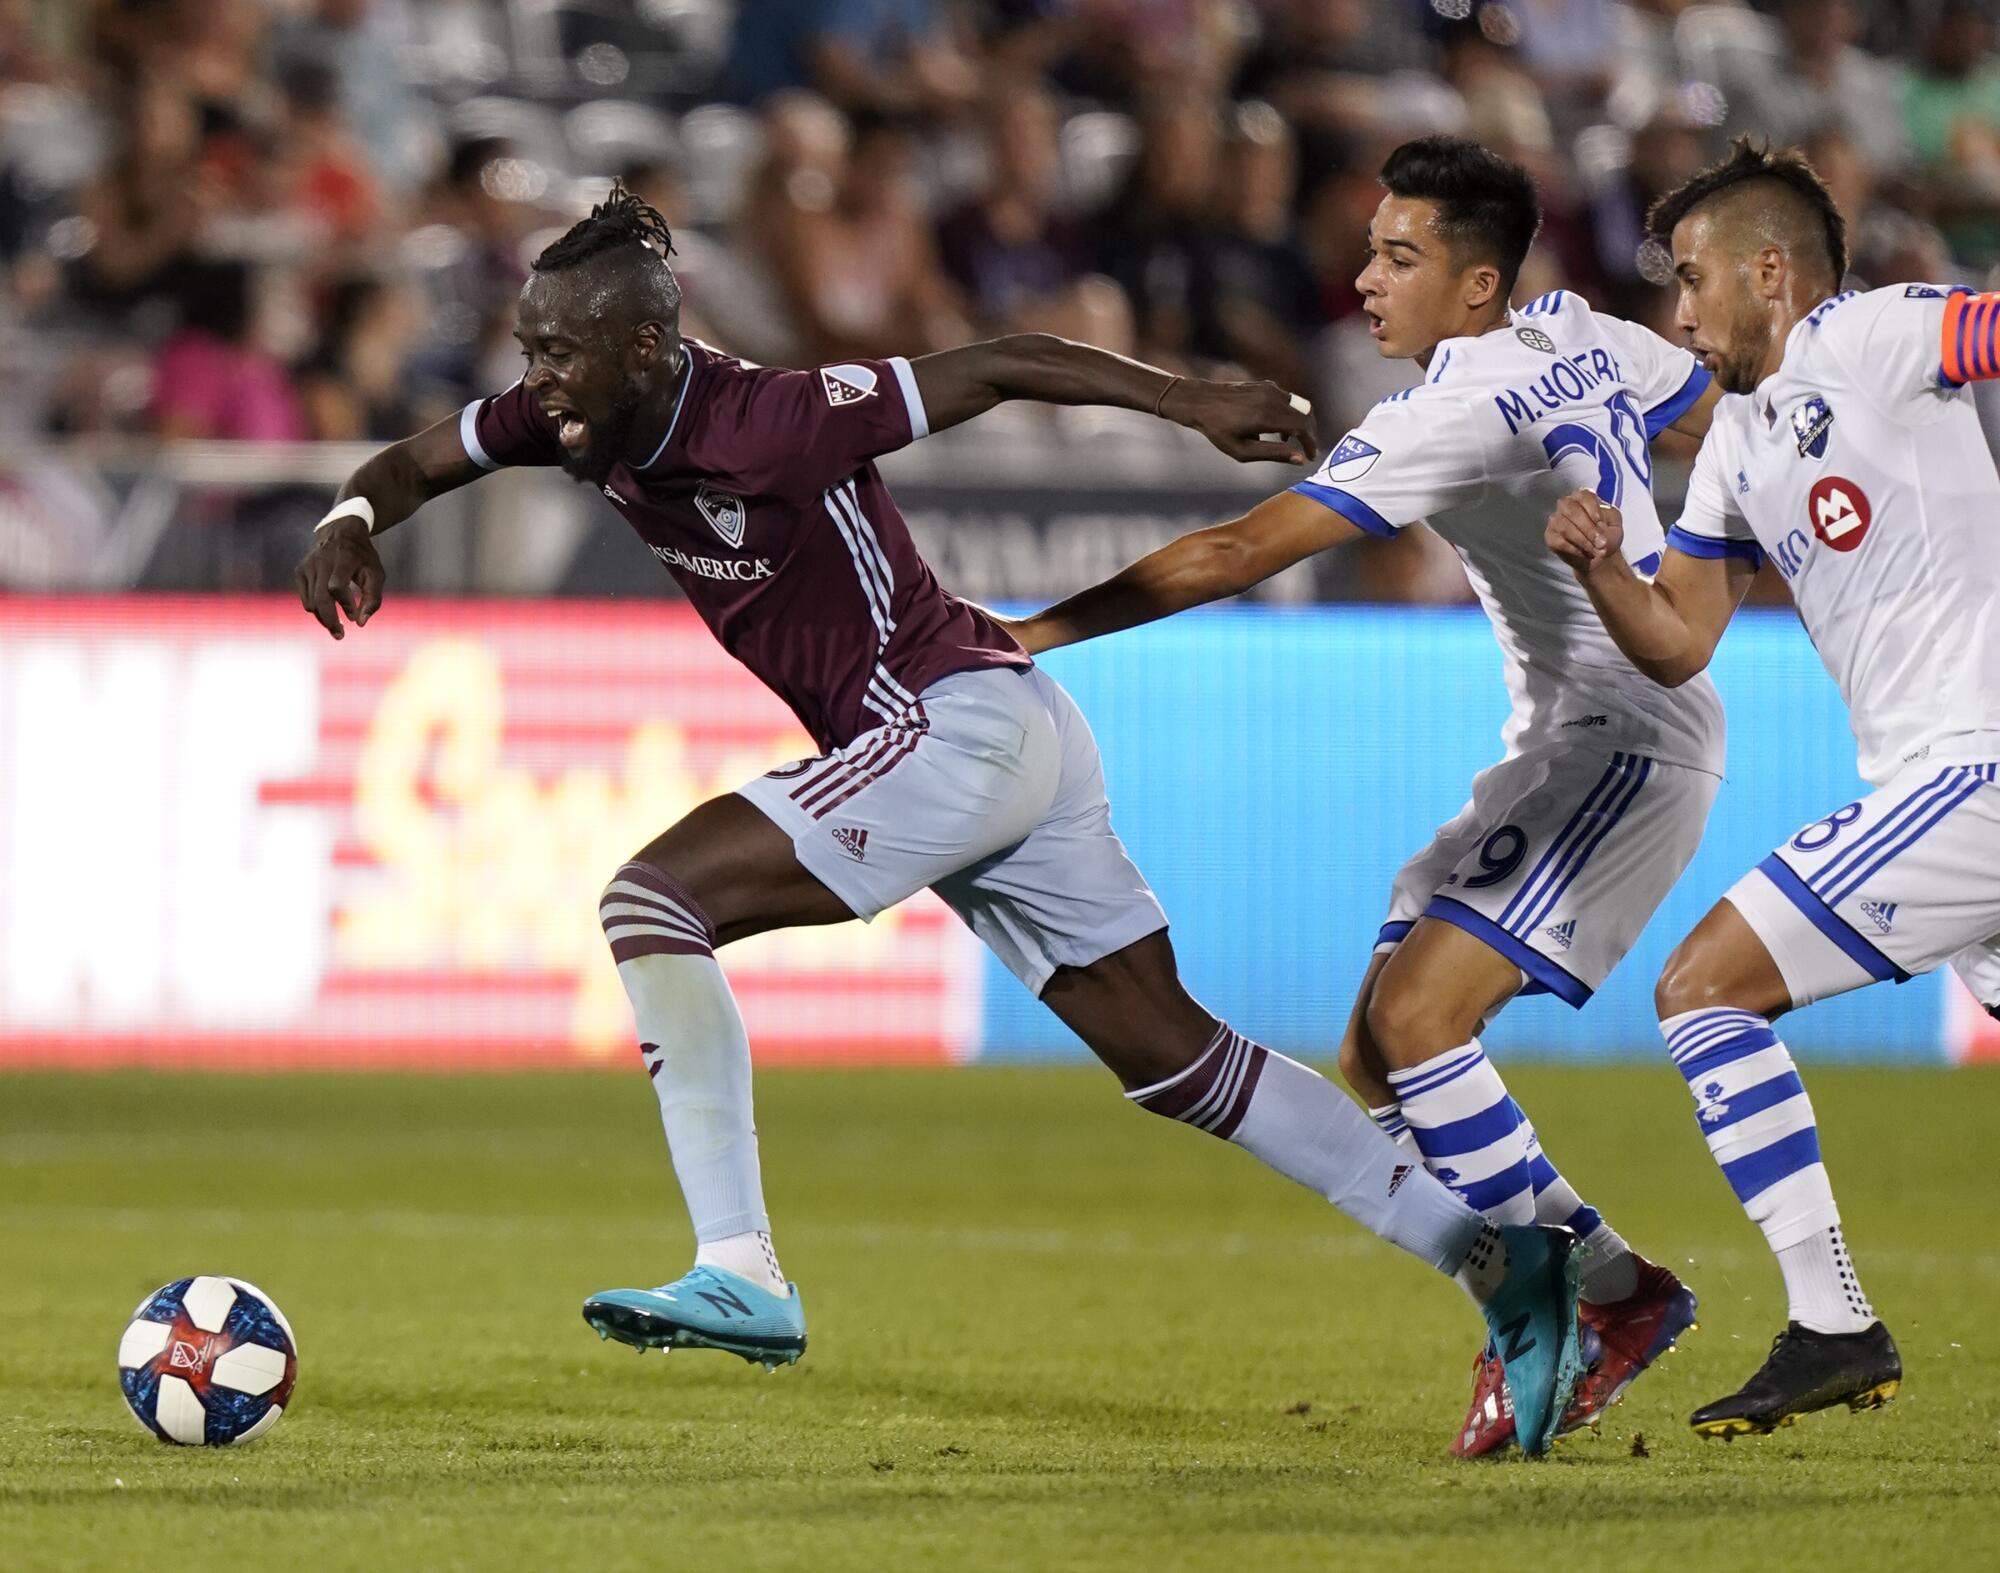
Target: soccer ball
[208, 1361]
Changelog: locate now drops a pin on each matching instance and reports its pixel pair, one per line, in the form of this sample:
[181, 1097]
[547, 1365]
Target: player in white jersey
[1853, 459]
[1546, 877]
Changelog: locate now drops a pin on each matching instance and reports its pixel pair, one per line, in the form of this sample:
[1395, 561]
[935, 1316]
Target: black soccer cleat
[1807, 1371]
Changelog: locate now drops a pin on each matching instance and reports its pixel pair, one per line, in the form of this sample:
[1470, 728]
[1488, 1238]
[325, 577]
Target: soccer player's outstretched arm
[1202, 566]
[1413, 454]
[1246, 420]
[343, 572]
[1667, 628]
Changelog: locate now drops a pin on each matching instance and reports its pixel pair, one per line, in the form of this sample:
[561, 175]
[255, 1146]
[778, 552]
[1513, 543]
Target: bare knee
[1689, 981]
[1407, 1026]
[1723, 963]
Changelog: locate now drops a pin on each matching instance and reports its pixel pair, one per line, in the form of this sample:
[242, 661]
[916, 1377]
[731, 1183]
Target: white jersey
[1507, 424]
[1861, 469]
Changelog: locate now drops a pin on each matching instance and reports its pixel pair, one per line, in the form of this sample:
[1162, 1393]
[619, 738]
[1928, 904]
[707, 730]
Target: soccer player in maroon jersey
[949, 760]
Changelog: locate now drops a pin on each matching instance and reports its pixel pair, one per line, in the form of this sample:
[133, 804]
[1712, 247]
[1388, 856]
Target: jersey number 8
[1821, 832]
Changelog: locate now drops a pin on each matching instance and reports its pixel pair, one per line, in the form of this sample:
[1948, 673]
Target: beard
[1739, 373]
[609, 436]
[1749, 337]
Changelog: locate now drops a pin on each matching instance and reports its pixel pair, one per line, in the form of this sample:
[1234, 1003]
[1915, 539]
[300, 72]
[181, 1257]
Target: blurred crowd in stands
[309, 218]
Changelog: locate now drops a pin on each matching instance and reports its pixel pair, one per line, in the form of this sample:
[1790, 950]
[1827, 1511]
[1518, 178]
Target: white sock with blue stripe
[1388, 1118]
[1610, 1271]
[1759, 1125]
[1472, 1135]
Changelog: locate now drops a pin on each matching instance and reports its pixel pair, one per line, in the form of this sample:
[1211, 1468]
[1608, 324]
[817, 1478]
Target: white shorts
[1887, 888]
[1558, 862]
[989, 790]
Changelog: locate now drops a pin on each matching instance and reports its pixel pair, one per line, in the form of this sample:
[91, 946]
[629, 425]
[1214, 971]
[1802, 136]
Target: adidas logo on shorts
[853, 842]
[1562, 933]
[1881, 913]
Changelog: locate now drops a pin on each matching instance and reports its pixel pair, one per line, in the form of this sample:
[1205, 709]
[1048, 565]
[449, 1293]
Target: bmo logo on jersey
[1839, 513]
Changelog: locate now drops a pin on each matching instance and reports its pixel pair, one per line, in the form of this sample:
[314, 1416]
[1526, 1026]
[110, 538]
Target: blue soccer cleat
[707, 1309]
[1532, 1319]
[1620, 1340]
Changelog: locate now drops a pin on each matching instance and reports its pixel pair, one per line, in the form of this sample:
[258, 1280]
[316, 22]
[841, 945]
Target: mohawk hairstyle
[621, 219]
[1746, 165]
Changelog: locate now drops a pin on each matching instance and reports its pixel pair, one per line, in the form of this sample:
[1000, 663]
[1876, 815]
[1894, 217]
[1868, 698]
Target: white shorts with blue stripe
[1887, 887]
[1559, 861]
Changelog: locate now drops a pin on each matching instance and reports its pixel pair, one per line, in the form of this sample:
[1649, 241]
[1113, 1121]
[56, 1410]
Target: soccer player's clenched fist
[1585, 530]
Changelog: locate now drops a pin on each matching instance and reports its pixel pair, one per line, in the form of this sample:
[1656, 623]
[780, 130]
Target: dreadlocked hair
[1746, 164]
[621, 219]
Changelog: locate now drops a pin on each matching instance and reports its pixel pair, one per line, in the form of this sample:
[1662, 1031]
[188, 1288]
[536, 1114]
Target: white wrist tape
[354, 508]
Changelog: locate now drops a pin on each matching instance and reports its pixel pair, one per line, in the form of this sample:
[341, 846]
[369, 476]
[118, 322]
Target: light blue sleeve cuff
[468, 436]
[913, 400]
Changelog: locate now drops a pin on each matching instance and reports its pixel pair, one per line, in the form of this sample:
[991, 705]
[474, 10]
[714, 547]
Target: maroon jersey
[763, 502]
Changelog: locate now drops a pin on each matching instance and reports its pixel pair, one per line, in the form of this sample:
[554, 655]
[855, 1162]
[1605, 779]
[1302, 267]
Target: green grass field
[1048, 1332]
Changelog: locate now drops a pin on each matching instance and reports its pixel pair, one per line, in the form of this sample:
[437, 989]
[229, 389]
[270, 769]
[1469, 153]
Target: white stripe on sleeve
[913, 400]
[468, 434]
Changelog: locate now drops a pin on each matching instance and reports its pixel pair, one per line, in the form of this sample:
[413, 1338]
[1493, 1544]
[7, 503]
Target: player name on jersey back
[1569, 379]
[1506, 424]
